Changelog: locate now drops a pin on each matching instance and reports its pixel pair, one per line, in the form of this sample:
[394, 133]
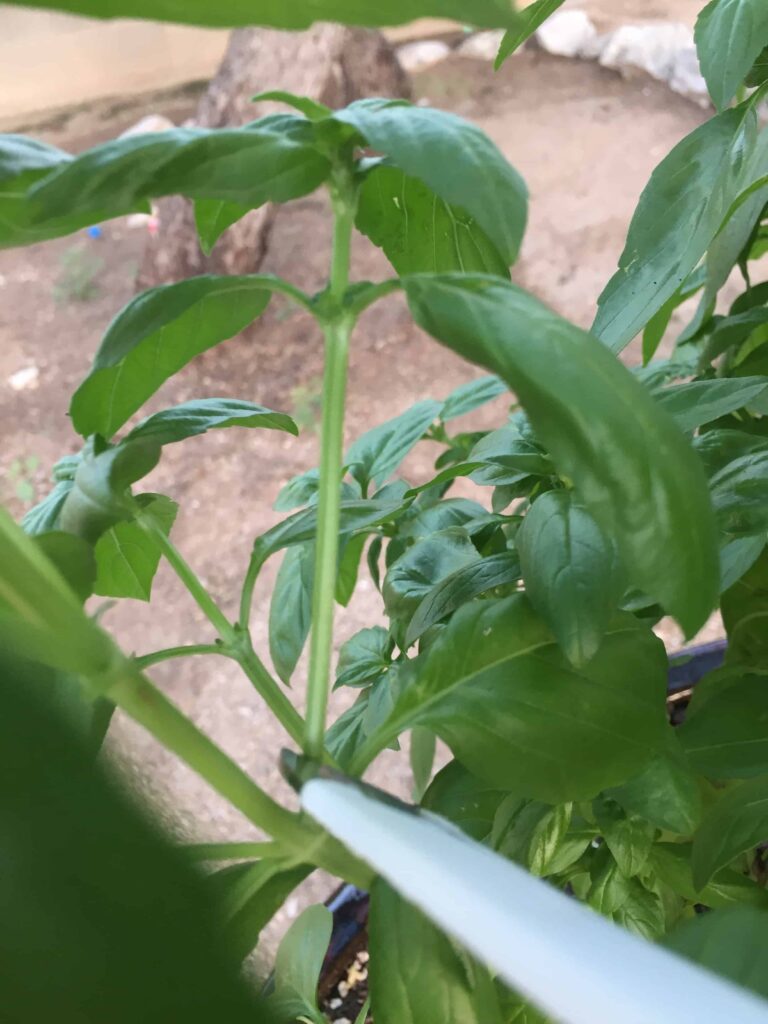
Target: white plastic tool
[569, 961]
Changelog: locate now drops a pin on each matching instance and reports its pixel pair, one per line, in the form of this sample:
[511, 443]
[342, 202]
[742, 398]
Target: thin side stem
[156, 657]
[337, 331]
[246, 597]
[204, 601]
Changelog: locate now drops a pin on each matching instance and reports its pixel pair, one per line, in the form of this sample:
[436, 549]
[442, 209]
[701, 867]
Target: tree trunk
[328, 63]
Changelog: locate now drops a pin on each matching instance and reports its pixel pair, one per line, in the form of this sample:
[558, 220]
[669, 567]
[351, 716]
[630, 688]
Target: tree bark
[329, 63]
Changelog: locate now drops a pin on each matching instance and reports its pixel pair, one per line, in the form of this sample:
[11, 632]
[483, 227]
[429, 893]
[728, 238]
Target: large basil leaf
[727, 738]
[467, 801]
[461, 587]
[290, 609]
[531, 18]
[571, 575]
[740, 495]
[418, 230]
[377, 453]
[496, 688]
[202, 414]
[729, 37]
[681, 210]
[672, 863]
[154, 336]
[703, 401]
[454, 159]
[294, 15]
[631, 466]
[736, 824]
[417, 975]
[728, 942]
[127, 556]
[272, 160]
[23, 162]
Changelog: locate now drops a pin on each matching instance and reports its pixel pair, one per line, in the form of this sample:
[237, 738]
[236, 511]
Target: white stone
[481, 45]
[23, 379]
[419, 56]
[687, 78]
[652, 48]
[150, 123]
[568, 34]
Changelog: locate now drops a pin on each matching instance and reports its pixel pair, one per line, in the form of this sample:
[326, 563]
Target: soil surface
[585, 141]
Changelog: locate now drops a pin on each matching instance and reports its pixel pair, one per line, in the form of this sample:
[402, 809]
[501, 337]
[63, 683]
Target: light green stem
[337, 330]
[156, 657]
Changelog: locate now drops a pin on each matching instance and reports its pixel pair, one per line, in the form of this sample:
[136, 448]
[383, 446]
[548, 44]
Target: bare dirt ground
[584, 140]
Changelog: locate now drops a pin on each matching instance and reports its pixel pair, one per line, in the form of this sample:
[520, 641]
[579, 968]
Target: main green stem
[337, 330]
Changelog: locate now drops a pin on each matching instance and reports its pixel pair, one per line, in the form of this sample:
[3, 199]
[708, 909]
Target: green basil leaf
[309, 108]
[272, 160]
[570, 571]
[442, 516]
[729, 37]
[736, 824]
[454, 159]
[422, 757]
[424, 564]
[728, 942]
[532, 835]
[731, 331]
[672, 864]
[628, 836]
[703, 401]
[299, 962]
[740, 495]
[202, 414]
[602, 428]
[531, 18]
[626, 900]
[461, 587]
[290, 609]
[737, 557]
[656, 327]
[745, 609]
[718, 448]
[420, 231]
[470, 396]
[87, 874]
[127, 556]
[157, 334]
[364, 658]
[213, 217]
[73, 559]
[350, 557]
[44, 517]
[469, 802]
[495, 687]
[297, 14]
[377, 453]
[681, 210]
[727, 738]
[417, 975]
[23, 163]
[509, 457]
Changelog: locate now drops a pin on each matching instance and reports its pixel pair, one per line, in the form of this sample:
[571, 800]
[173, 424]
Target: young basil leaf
[736, 824]
[364, 658]
[656, 328]
[377, 453]
[248, 895]
[350, 557]
[681, 210]
[665, 793]
[495, 687]
[727, 942]
[467, 801]
[737, 557]
[272, 160]
[423, 522]
[420, 231]
[470, 396]
[202, 414]
[454, 159]
[703, 401]
[87, 874]
[290, 609]
[24, 162]
[604, 431]
[745, 608]
[422, 757]
[73, 558]
[508, 457]
[532, 834]
[311, 109]
[727, 738]
[531, 18]
[423, 565]
[729, 37]
[718, 448]
[127, 556]
[740, 495]
[157, 334]
[461, 587]
[297, 14]
[671, 862]
[571, 573]
[213, 217]
[44, 517]
[731, 331]
[628, 836]
[299, 962]
[417, 974]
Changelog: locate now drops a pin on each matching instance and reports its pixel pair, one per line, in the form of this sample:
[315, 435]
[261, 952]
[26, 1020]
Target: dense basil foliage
[519, 579]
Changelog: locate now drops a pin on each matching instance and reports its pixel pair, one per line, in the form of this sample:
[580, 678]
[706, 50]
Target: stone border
[663, 50]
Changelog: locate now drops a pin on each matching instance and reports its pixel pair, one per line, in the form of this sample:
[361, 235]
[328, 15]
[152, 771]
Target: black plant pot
[350, 905]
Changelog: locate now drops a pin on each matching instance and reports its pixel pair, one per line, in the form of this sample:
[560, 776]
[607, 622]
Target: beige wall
[49, 60]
